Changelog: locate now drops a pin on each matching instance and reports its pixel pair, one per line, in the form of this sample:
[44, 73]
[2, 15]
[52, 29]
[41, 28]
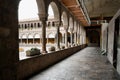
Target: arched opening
[53, 24]
[30, 39]
[75, 32]
[64, 19]
[31, 25]
[49, 24]
[53, 11]
[24, 38]
[20, 39]
[116, 57]
[51, 38]
[75, 26]
[38, 24]
[25, 26]
[27, 11]
[53, 17]
[71, 24]
[68, 38]
[60, 35]
[37, 38]
[93, 38]
[71, 30]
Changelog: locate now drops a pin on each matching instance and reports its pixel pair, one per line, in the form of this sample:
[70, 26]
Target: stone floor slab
[87, 64]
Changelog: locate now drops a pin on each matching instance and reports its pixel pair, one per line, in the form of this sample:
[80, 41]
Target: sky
[28, 9]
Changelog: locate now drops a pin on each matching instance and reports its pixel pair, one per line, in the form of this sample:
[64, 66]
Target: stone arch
[25, 26]
[71, 24]
[60, 35]
[65, 19]
[29, 35]
[49, 24]
[34, 24]
[68, 38]
[78, 28]
[36, 35]
[51, 37]
[75, 26]
[30, 38]
[24, 38]
[41, 8]
[38, 25]
[55, 10]
[37, 38]
[31, 25]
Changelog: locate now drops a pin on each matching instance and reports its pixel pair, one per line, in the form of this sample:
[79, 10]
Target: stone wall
[111, 53]
[8, 39]
[111, 31]
[104, 36]
[110, 41]
[33, 65]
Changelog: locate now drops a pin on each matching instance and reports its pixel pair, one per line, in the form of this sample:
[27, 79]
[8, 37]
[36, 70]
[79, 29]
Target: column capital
[65, 27]
[57, 23]
[71, 29]
[43, 17]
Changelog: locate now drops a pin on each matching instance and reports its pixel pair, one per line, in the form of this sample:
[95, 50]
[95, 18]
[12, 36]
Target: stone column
[66, 35]
[75, 38]
[66, 42]
[27, 40]
[9, 43]
[47, 40]
[20, 39]
[43, 21]
[80, 39]
[71, 39]
[63, 38]
[71, 30]
[34, 40]
[58, 32]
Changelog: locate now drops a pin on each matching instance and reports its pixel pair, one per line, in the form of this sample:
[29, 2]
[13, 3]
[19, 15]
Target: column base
[57, 49]
[71, 45]
[44, 52]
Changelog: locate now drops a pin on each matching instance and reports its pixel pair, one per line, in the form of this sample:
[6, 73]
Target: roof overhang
[78, 9]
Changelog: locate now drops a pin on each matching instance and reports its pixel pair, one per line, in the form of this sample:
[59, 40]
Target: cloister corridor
[87, 64]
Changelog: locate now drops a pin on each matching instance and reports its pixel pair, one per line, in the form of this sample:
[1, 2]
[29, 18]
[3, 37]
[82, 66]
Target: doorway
[93, 38]
[116, 37]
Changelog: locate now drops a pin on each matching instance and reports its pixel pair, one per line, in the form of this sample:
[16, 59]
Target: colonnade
[64, 22]
[70, 37]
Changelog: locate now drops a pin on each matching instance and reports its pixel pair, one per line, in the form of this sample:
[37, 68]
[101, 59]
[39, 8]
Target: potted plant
[52, 49]
[33, 51]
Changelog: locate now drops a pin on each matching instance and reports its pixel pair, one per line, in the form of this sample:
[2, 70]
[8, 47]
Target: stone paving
[87, 64]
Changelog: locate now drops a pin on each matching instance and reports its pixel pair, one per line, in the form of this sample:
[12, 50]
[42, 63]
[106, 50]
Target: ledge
[30, 66]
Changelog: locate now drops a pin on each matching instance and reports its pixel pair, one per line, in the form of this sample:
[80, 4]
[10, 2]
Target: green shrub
[52, 48]
[33, 51]
[63, 47]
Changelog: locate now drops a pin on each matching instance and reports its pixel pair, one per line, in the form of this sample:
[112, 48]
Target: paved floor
[86, 64]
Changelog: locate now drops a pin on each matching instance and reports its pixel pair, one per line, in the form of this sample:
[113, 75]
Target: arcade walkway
[86, 64]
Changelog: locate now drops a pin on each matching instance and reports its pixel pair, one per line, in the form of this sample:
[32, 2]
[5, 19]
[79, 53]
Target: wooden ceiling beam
[71, 6]
[76, 11]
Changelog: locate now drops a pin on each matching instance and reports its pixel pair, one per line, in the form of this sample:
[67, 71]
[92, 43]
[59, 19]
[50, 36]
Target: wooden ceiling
[76, 10]
[104, 8]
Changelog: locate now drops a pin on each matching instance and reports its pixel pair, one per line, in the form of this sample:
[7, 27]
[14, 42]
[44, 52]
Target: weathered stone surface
[87, 64]
[30, 66]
